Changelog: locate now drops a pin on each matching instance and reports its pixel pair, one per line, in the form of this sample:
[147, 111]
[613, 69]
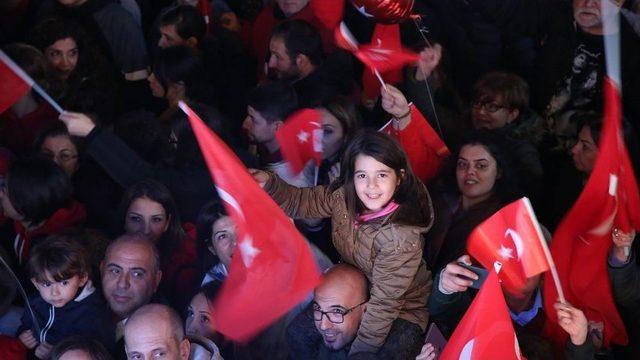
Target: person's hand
[429, 60]
[453, 277]
[261, 177]
[395, 103]
[573, 321]
[622, 243]
[77, 124]
[334, 172]
[428, 352]
[43, 350]
[26, 337]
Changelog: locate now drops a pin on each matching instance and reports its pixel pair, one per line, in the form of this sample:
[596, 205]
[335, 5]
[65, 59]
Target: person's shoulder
[113, 13]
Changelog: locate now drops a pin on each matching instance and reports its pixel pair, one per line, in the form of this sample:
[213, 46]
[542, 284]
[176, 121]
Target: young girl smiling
[379, 211]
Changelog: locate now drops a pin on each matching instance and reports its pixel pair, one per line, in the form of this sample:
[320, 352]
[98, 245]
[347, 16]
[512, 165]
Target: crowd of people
[112, 225]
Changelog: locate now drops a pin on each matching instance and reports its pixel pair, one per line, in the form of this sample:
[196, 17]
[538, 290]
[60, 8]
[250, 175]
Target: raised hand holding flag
[511, 236]
[273, 269]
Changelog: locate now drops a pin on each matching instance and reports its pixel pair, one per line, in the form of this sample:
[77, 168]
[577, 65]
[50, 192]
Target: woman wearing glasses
[67, 151]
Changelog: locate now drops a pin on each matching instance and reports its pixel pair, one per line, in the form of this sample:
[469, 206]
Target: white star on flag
[248, 251]
[505, 252]
[303, 136]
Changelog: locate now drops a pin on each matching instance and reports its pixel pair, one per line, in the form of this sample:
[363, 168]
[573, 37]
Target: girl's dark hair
[187, 152]
[590, 119]
[61, 256]
[180, 64]
[411, 194]
[91, 346]
[505, 186]
[208, 215]
[155, 191]
[37, 188]
[58, 129]
[210, 290]
[348, 117]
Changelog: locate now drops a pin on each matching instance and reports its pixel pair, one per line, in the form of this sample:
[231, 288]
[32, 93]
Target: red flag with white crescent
[485, 331]
[374, 56]
[300, 139]
[272, 269]
[511, 236]
[609, 199]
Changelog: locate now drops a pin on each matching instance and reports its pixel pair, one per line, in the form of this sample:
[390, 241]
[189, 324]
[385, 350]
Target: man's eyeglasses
[489, 107]
[335, 316]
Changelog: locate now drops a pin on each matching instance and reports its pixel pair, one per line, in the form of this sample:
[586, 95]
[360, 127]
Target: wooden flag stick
[547, 253]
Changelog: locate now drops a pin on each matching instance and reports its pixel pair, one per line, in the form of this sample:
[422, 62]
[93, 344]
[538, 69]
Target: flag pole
[545, 248]
[27, 79]
[48, 98]
[375, 71]
[315, 177]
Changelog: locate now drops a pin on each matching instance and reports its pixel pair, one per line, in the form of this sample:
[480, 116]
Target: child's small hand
[261, 177]
[27, 339]
[43, 350]
[428, 352]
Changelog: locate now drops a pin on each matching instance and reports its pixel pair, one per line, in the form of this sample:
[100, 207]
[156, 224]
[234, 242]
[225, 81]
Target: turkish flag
[582, 241]
[511, 236]
[300, 139]
[485, 331]
[425, 149]
[14, 83]
[328, 12]
[385, 55]
[384, 36]
[272, 269]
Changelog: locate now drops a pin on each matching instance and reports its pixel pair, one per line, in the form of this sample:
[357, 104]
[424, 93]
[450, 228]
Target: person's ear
[158, 279]
[192, 42]
[101, 267]
[166, 226]
[513, 114]
[211, 248]
[401, 177]
[83, 279]
[185, 348]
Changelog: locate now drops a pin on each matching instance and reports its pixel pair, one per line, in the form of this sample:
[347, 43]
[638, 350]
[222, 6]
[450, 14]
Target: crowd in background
[111, 221]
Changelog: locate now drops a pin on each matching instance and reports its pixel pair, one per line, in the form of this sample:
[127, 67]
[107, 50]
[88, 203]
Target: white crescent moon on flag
[517, 241]
[465, 354]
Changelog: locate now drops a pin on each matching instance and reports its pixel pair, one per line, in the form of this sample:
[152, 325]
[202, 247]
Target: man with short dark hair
[155, 331]
[268, 105]
[182, 26]
[296, 56]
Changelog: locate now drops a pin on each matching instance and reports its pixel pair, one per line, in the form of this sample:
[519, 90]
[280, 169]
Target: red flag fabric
[384, 36]
[582, 241]
[205, 8]
[272, 269]
[512, 237]
[375, 56]
[425, 149]
[14, 83]
[485, 331]
[328, 12]
[300, 139]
